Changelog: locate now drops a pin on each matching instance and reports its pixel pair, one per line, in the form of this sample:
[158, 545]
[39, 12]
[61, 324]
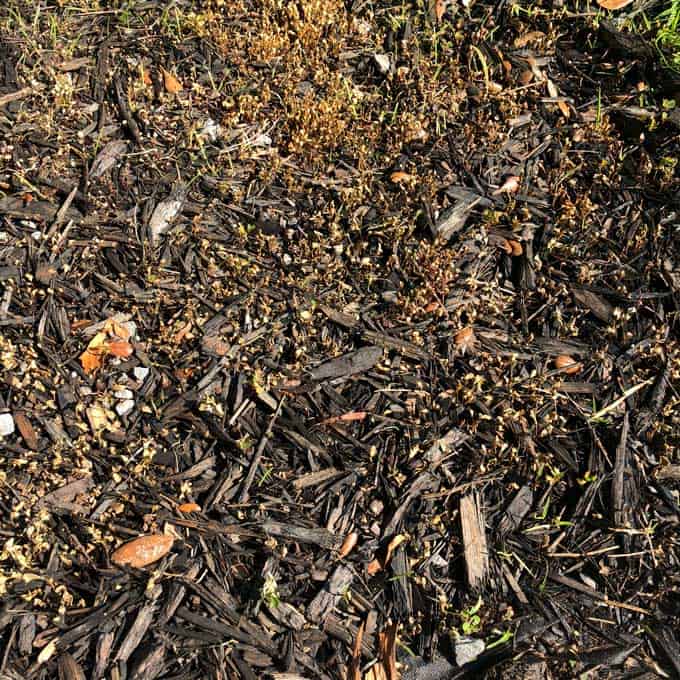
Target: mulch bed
[366, 312]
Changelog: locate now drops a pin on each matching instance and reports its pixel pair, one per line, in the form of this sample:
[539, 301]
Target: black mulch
[347, 241]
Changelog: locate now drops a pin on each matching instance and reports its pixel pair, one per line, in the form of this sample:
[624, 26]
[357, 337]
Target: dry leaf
[566, 364]
[119, 348]
[189, 507]
[399, 176]
[26, 430]
[348, 544]
[143, 551]
[172, 85]
[613, 4]
[377, 565]
[91, 361]
[440, 9]
[117, 329]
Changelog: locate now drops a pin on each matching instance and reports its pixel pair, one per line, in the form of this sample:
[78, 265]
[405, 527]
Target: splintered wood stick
[474, 540]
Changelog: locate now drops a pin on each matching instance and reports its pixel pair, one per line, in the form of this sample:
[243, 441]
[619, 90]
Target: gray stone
[467, 649]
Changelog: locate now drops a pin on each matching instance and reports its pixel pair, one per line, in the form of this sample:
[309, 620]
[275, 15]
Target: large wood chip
[349, 364]
[474, 540]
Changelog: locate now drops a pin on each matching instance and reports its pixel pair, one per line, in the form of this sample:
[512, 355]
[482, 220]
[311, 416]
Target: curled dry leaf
[111, 340]
[189, 507]
[377, 565]
[505, 244]
[172, 85]
[348, 544]
[566, 364]
[142, 551]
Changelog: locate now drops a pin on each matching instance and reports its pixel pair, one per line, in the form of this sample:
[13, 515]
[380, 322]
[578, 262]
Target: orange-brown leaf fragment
[119, 348]
[91, 361]
[613, 4]
[189, 507]
[172, 85]
[440, 9]
[142, 551]
[566, 364]
[348, 544]
[399, 176]
[26, 430]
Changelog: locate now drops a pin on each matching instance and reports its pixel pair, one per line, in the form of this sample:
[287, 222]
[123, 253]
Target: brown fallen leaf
[613, 4]
[172, 85]
[399, 176]
[566, 364]
[111, 340]
[119, 348]
[189, 507]
[26, 430]
[117, 329]
[90, 361]
[440, 9]
[377, 565]
[142, 551]
[348, 544]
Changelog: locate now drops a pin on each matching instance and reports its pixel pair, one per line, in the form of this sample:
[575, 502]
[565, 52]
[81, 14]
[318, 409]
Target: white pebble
[6, 424]
[123, 394]
[140, 373]
[124, 407]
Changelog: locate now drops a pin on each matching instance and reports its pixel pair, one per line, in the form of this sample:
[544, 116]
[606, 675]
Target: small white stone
[124, 407]
[123, 394]
[6, 424]
[467, 649]
[140, 373]
[383, 62]
[211, 130]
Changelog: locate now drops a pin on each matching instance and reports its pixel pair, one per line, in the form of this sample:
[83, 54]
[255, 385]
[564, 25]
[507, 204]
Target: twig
[257, 457]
